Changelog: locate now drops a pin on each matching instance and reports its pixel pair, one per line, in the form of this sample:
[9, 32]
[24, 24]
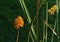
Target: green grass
[48, 26]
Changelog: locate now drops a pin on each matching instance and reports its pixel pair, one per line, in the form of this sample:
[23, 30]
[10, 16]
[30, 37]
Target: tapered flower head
[18, 22]
[52, 10]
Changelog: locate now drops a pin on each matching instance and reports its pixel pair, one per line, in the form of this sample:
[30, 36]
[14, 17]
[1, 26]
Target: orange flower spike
[19, 22]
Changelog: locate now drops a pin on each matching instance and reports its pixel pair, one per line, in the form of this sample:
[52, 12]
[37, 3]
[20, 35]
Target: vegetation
[41, 20]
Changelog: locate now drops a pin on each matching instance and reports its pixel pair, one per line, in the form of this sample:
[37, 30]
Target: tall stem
[17, 36]
[57, 3]
[43, 28]
[54, 29]
[37, 27]
[37, 10]
[43, 33]
[46, 18]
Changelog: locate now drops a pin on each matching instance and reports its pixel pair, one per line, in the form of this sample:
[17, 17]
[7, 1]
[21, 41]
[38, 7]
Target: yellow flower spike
[52, 10]
[19, 22]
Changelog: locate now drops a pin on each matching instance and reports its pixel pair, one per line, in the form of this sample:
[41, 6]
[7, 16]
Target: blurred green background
[10, 9]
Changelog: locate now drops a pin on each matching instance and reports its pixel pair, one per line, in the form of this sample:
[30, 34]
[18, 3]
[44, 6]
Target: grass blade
[46, 20]
[28, 16]
[57, 12]
[54, 29]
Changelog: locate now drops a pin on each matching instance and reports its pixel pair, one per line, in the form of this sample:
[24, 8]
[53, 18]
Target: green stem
[43, 33]
[57, 12]
[29, 36]
[46, 19]
[43, 28]
[54, 29]
[49, 26]
[32, 37]
[28, 16]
